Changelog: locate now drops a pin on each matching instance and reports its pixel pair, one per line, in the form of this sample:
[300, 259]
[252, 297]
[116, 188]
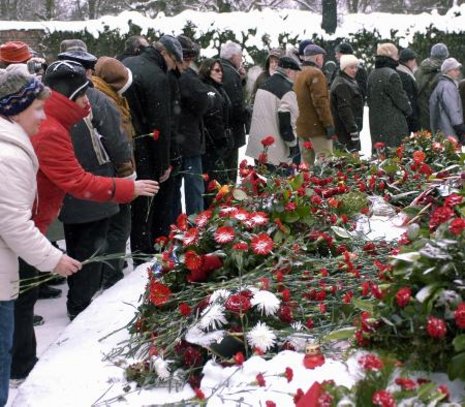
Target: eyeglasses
[217, 70]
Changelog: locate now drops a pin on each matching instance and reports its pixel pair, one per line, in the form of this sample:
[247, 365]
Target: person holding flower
[22, 99]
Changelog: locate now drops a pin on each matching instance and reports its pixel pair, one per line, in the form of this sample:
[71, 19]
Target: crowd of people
[104, 144]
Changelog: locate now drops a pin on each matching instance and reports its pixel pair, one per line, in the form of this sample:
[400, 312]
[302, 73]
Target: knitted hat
[449, 64]
[68, 78]
[190, 49]
[114, 73]
[303, 44]
[84, 58]
[439, 51]
[14, 52]
[407, 54]
[313, 49]
[388, 49]
[348, 60]
[289, 63]
[17, 91]
[172, 45]
[74, 44]
[344, 48]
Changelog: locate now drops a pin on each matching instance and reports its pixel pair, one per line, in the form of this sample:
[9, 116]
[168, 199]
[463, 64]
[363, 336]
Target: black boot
[46, 292]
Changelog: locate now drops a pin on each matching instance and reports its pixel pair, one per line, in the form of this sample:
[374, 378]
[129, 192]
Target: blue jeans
[194, 186]
[6, 343]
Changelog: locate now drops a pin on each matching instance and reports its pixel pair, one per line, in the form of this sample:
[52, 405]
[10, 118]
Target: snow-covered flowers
[261, 337]
[266, 302]
[161, 367]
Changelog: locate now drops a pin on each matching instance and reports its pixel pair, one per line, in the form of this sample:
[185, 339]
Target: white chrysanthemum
[219, 296]
[261, 336]
[266, 302]
[297, 326]
[213, 317]
[196, 336]
[161, 367]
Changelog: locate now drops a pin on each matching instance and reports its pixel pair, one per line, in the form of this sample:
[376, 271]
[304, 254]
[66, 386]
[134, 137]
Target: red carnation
[260, 380]
[191, 237]
[453, 199]
[192, 260]
[403, 296]
[379, 145]
[459, 315]
[156, 134]
[436, 328]
[241, 246]
[211, 262]
[267, 141]
[289, 373]
[184, 309]
[456, 226]
[224, 234]
[406, 383]
[371, 362]
[262, 244]
[269, 403]
[239, 358]
[199, 394]
[159, 293]
[308, 145]
[238, 303]
[383, 398]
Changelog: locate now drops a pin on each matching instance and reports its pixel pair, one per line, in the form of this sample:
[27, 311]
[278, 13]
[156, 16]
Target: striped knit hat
[17, 91]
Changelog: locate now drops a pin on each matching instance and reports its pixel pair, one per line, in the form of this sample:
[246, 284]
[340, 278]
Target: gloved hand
[330, 133]
[355, 141]
[293, 151]
[355, 137]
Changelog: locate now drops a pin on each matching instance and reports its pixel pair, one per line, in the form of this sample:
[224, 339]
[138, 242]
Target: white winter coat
[265, 122]
[18, 235]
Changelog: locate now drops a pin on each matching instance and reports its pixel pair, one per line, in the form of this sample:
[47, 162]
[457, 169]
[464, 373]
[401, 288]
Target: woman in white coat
[21, 112]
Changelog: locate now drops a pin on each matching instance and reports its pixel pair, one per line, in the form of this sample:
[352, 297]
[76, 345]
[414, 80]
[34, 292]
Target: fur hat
[449, 64]
[288, 62]
[172, 45]
[68, 78]
[18, 91]
[407, 54]
[14, 52]
[439, 51]
[344, 48]
[313, 49]
[114, 73]
[388, 49]
[348, 60]
[74, 44]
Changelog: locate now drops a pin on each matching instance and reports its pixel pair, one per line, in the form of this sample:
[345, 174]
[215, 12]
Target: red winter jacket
[60, 172]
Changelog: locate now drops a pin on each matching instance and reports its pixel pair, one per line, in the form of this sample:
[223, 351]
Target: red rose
[267, 141]
[238, 303]
[436, 328]
[403, 296]
[459, 315]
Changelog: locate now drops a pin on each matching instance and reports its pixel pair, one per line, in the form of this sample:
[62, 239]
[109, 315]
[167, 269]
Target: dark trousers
[84, 240]
[151, 218]
[118, 234]
[7, 318]
[231, 165]
[24, 355]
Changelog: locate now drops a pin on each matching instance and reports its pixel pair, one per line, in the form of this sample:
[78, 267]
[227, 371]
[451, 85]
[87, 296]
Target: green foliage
[111, 42]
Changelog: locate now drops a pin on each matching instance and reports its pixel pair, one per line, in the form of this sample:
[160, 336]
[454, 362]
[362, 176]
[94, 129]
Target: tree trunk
[49, 9]
[329, 21]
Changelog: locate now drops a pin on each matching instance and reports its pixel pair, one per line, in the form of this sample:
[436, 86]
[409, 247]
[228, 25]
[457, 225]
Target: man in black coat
[233, 83]
[149, 98]
[406, 68]
[195, 101]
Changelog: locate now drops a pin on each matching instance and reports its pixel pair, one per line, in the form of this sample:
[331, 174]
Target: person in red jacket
[60, 173]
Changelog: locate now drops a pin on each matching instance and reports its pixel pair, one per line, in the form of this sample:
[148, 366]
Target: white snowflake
[266, 302]
[261, 337]
[213, 317]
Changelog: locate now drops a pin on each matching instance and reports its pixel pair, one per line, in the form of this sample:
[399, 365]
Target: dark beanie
[303, 44]
[407, 54]
[344, 48]
[68, 78]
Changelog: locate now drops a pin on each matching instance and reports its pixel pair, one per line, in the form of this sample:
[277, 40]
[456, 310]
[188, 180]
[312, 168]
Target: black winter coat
[98, 155]
[361, 77]
[411, 89]
[347, 108]
[233, 86]
[149, 99]
[195, 101]
[388, 103]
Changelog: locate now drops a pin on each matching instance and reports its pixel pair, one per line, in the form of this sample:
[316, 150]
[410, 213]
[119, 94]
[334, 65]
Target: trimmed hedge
[111, 42]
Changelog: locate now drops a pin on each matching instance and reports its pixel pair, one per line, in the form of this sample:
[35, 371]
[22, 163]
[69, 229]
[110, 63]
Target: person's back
[427, 76]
